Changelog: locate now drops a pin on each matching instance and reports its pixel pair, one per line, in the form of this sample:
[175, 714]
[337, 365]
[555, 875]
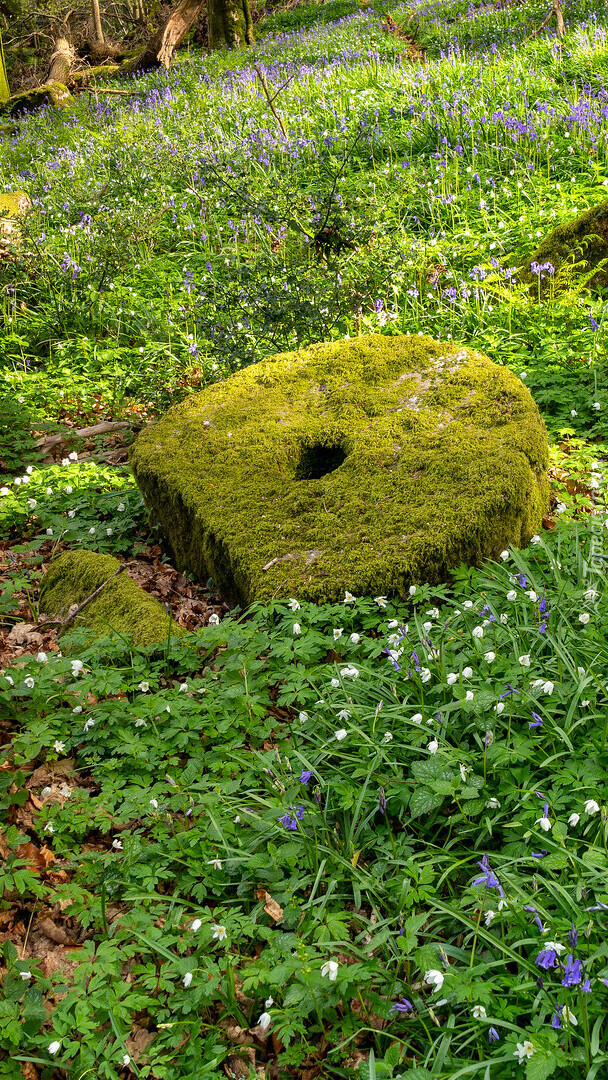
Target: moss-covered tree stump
[363, 465]
[122, 607]
[571, 250]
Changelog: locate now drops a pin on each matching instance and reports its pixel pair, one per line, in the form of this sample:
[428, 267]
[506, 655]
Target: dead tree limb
[49, 441]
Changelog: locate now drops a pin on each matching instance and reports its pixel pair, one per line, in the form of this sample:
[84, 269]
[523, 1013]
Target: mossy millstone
[122, 607]
[362, 465]
[582, 241]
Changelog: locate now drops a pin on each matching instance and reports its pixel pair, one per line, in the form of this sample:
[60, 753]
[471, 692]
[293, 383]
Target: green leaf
[423, 801]
[431, 769]
[543, 1063]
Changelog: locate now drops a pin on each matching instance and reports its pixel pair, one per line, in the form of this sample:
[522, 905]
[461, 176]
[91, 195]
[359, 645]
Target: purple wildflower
[488, 878]
[573, 936]
[573, 971]
[402, 1006]
[586, 987]
[288, 820]
[305, 776]
[493, 1035]
[556, 1022]
[382, 801]
[592, 323]
[547, 958]
[537, 722]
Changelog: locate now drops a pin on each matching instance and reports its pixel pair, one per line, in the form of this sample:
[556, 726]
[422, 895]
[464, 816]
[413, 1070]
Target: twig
[75, 609]
[270, 100]
[561, 29]
[47, 443]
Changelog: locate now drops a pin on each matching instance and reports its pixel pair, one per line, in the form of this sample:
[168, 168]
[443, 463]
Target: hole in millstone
[318, 460]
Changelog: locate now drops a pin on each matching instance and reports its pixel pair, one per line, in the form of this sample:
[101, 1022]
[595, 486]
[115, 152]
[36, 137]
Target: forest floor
[364, 838]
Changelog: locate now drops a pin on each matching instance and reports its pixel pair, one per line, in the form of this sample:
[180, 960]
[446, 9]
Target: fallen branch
[47, 443]
[75, 609]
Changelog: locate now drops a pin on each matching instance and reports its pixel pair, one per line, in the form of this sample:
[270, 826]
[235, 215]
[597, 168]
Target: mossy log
[51, 93]
[573, 250]
[122, 607]
[363, 465]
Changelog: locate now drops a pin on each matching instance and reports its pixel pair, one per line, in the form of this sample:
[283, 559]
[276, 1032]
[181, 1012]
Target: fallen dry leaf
[270, 905]
[24, 634]
[139, 1041]
[55, 933]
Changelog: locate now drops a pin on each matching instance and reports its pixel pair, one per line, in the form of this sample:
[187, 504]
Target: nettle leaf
[431, 769]
[423, 801]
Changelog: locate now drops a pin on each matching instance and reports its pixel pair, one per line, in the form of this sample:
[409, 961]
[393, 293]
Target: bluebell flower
[488, 878]
[573, 936]
[493, 1035]
[556, 1022]
[305, 776]
[288, 820]
[592, 323]
[573, 971]
[586, 987]
[402, 1006]
[537, 721]
[547, 957]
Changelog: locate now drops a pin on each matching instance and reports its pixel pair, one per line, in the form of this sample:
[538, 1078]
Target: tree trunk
[161, 47]
[97, 27]
[230, 23]
[4, 88]
[61, 62]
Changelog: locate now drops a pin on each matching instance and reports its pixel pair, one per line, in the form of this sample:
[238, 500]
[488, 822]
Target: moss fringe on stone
[122, 607]
[573, 249]
[432, 456]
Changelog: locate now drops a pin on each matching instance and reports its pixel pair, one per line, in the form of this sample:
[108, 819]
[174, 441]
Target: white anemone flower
[524, 1051]
[330, 969]
[434, 978]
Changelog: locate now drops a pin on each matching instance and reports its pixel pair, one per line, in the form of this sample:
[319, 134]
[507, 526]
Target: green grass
[175, 237]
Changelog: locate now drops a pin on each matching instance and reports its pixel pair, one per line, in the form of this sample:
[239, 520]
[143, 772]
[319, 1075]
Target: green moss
[573, 249]
[53, 93]
[444, 459]
[122, 606]
[230, 23]
[14, 204]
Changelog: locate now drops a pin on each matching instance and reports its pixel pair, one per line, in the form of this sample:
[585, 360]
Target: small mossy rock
[122, 607]
[580, 244]
[361, 465]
